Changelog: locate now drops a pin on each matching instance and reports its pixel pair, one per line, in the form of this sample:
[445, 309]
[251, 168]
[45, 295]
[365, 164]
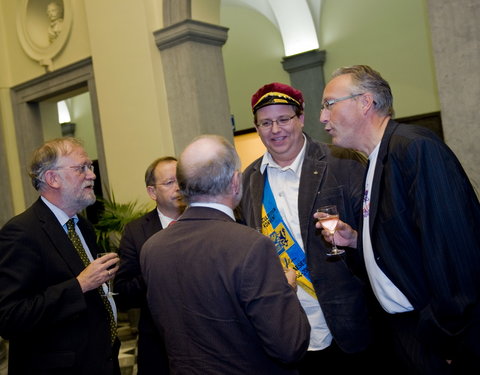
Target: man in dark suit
[51, 309]
[303, 175]
[216, 290]
[162, 187]
[419, 234]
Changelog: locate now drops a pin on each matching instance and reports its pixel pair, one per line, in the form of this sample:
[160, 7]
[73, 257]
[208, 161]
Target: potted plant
[112, 220]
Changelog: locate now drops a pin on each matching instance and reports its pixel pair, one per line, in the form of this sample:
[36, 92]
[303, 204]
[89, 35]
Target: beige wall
[394, 38]
[388, 34]
[130, 90]
[129, 83]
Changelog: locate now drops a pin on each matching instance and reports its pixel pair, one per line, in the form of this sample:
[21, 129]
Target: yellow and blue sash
[288, 250]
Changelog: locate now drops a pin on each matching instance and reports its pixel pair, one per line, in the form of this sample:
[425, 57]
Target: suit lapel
[313, 171]
[151, 224]
[257, 183]
[58, 238]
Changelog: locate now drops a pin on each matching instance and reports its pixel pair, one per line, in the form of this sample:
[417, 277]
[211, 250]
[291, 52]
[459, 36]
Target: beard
[77, 199]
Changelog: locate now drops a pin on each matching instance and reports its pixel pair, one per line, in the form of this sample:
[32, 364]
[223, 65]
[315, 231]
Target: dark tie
[83, 255]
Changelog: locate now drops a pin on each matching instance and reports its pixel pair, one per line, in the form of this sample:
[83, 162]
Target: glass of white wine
[329, 219]
[110, 282]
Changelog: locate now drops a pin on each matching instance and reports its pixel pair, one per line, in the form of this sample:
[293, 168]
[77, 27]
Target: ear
[236, 182]
[302, 119]
[151, 192]
[52, 179]
[367, 102]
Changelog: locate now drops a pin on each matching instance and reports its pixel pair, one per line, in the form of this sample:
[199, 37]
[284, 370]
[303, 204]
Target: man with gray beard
[51, 307]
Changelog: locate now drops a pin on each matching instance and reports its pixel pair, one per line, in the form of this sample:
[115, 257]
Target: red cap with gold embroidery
[276, 93]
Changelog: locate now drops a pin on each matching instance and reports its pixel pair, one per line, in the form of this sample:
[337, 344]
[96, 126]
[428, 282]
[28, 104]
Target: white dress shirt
[284, 182]
[390, 297]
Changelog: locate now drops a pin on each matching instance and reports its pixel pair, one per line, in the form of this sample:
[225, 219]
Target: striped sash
[288, 250]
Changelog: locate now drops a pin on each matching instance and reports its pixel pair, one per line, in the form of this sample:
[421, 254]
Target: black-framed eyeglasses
[80, 169]
[168, 183]
[281, 121]
[327, 104]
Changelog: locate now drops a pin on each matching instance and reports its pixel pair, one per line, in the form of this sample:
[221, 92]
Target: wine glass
[329, 219]
[110, 282]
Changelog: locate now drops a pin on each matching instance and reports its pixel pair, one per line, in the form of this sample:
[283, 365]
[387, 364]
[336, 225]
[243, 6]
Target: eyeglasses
[80, 169]
[168, 183]
[281, 121]
[327, 104]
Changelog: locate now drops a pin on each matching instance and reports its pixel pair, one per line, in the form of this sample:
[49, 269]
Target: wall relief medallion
[43, 28]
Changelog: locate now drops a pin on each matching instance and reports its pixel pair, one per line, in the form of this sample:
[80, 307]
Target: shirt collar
[164, 219]
[61, 216]
[218, 206]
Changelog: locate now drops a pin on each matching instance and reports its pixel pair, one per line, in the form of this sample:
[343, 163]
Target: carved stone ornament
[43, 28]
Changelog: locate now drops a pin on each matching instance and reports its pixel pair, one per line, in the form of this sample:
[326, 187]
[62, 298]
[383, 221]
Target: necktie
[83, 255]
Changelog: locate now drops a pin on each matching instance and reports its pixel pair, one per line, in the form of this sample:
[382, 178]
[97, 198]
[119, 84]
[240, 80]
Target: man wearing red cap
[282, 191]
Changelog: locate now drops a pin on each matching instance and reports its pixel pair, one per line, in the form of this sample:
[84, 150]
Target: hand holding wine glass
[328, 217]
[111, 263]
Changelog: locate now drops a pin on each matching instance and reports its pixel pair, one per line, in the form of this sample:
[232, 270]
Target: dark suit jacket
[52, 327]
[330, 175]
[424, 224]
[219, 295]
[151, 355]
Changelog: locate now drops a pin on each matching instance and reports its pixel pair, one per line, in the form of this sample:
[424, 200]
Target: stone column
[306, 74]
[455, 34]
[195, 80]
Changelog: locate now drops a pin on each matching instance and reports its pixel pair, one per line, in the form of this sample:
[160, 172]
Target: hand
[98, 272]
[345, 235]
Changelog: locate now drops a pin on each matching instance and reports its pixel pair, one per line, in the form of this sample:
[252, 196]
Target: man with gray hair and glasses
[419, 232]
[52, 309]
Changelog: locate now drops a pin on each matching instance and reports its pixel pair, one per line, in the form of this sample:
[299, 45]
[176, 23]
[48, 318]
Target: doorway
[34, 109]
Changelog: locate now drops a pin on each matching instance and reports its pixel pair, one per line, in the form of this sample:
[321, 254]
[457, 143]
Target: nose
[275, 126]
[91, 175]
[324, 116]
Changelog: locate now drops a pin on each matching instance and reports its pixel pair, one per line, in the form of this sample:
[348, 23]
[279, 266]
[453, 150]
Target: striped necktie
[83, 255]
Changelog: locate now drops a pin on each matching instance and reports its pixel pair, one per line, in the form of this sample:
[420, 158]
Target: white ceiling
[295, 20]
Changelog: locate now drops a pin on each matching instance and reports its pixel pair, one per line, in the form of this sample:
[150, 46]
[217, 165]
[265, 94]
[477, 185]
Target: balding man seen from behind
[216, 289]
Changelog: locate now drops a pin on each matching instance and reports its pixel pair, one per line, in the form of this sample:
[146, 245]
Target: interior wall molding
[26, 113]
[190, 30]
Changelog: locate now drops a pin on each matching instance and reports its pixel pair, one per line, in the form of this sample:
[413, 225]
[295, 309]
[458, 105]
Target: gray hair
[211, 177]
[365, 79]
[46, 157]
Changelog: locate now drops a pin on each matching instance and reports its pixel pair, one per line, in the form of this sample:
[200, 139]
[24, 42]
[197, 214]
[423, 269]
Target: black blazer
[52, 327]
[330, 175]
[424, 225]
[151, 355]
